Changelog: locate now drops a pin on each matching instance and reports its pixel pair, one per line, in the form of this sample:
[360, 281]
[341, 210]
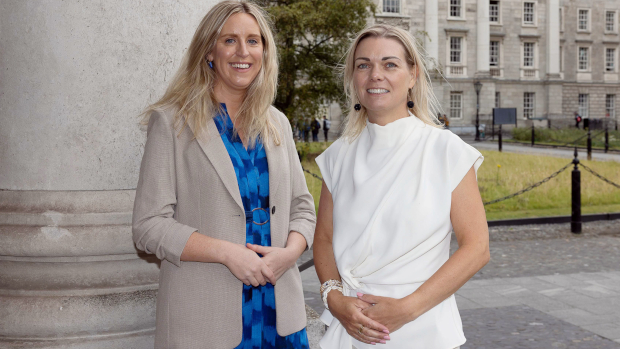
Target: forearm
[205, 249]
[296, 243]
[324, 261]
[461, 266]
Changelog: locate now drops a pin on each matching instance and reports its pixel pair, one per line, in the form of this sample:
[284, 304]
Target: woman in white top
[395, 186]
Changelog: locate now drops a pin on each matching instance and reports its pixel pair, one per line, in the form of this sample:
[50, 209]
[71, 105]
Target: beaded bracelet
[329, 286]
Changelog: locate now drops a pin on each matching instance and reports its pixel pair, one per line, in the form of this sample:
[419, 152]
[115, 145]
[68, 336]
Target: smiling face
[382, 78]
[238, 54]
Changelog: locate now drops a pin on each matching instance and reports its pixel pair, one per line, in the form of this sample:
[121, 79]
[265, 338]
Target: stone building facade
[547, 58]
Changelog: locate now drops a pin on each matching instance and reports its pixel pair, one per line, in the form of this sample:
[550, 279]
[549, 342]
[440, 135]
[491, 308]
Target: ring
[360, 330]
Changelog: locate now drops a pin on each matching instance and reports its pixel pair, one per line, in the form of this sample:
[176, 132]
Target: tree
[312, 38]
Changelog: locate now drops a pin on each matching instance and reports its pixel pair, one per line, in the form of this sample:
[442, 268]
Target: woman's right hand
[247, 266]
[348, 310]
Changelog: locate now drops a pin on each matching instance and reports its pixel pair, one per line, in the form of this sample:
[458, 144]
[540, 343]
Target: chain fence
[525, 190]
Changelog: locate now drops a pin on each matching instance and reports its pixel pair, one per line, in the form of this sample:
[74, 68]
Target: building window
[529, 11]
[584, 58]
[498, 102]
[528, 54]
[610, 106]
[391, 6]
[456, 105]
[456, 47]
[455, 8]
[583, 105]
[584, 20]
[494, 54]
[529, 99]
[610, 59]
[610, 21]
[494, 11]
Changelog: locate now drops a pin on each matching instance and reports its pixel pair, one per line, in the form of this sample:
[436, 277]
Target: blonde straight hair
[192, 88]
[422, 95]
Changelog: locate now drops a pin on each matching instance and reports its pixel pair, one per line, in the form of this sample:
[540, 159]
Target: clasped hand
[246, 264]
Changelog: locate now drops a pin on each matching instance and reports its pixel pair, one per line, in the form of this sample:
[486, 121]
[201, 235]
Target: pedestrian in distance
[307, 129]
[446, 121]
[395, 186]
[327, 124]
[316, 126]
[221, 199]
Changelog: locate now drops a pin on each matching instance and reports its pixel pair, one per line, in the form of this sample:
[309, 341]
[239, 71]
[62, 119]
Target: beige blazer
[188, 184]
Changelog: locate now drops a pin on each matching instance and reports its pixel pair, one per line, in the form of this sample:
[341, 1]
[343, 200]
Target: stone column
[553, 35]
[73, 78]
[482, 38]
[431, 25]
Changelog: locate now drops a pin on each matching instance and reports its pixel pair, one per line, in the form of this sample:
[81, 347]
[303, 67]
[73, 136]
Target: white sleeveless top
[391, 190]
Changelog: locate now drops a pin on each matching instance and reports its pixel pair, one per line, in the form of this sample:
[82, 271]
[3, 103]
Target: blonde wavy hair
[192, 88]
[422, 95]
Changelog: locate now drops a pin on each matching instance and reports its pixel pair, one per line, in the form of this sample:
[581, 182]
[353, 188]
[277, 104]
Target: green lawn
[563, 136]
[517, 171]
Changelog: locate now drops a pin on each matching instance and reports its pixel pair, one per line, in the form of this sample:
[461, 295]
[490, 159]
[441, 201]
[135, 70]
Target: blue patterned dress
[259, 304]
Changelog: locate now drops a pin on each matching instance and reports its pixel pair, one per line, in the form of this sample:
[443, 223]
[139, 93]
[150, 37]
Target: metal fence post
[606, 138]
[499, 142]
[533, 133]
[575, 224]
[589, 145]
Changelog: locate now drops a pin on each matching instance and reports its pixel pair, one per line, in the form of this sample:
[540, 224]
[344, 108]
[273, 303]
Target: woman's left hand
[391, 312]
[278, 259]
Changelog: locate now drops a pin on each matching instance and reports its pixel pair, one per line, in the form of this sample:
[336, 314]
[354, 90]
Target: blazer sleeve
[303, 216]
[154, 229]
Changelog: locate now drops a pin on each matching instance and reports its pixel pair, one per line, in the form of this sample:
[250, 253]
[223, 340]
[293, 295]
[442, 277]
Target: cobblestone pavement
[543, 288]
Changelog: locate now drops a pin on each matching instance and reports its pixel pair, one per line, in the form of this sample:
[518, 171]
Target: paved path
[543, 288]
[561, 153]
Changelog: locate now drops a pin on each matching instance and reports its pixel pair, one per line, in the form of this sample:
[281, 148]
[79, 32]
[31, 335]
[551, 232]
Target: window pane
[528, 54]
[494, 53]
[583, 19]
[528, 12]
[456, 105]
[528, 104]
[455, 8]
[610, 21]
[391, 6]
[455, 49]
[583, 105]
[494, 11]
[610, 59]
[610, 106]
[583, 58]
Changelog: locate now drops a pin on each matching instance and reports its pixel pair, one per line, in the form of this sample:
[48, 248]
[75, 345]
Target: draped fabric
[259, 313]
[391, 190]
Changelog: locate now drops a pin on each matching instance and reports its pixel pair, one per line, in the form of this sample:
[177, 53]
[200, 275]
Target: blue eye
[391, 65]
[362, 66]
[230, 41]
[253, 41]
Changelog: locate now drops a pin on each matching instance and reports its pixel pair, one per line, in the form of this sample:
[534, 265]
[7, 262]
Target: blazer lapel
[276, 159]
[215, 150]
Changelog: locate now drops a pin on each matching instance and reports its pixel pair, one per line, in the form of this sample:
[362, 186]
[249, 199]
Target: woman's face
[382, 76]
[238, 53]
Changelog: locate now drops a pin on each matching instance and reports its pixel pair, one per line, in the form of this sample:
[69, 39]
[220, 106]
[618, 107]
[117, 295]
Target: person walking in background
[442, 119]
[446, 121]
[316, 126]
[307, 129]
[395, 186]
[326, 126]
[221, 198]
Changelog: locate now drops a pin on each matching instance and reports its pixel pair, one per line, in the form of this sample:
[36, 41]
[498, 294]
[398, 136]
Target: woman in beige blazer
[191, 206]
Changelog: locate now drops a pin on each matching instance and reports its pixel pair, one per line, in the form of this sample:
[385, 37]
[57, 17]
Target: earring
[410, 104]
[210, 63]
[357, 107]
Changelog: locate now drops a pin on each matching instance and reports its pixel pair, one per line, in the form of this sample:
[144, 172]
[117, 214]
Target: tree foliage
[312, 38]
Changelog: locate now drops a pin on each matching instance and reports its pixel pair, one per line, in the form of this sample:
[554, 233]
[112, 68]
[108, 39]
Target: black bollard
[589, 144]
[606, 139]
[499, 143]
[533, 133]
[575, 224]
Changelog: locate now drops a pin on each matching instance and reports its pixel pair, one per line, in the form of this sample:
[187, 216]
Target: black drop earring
[357, 107]
[410, 104]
